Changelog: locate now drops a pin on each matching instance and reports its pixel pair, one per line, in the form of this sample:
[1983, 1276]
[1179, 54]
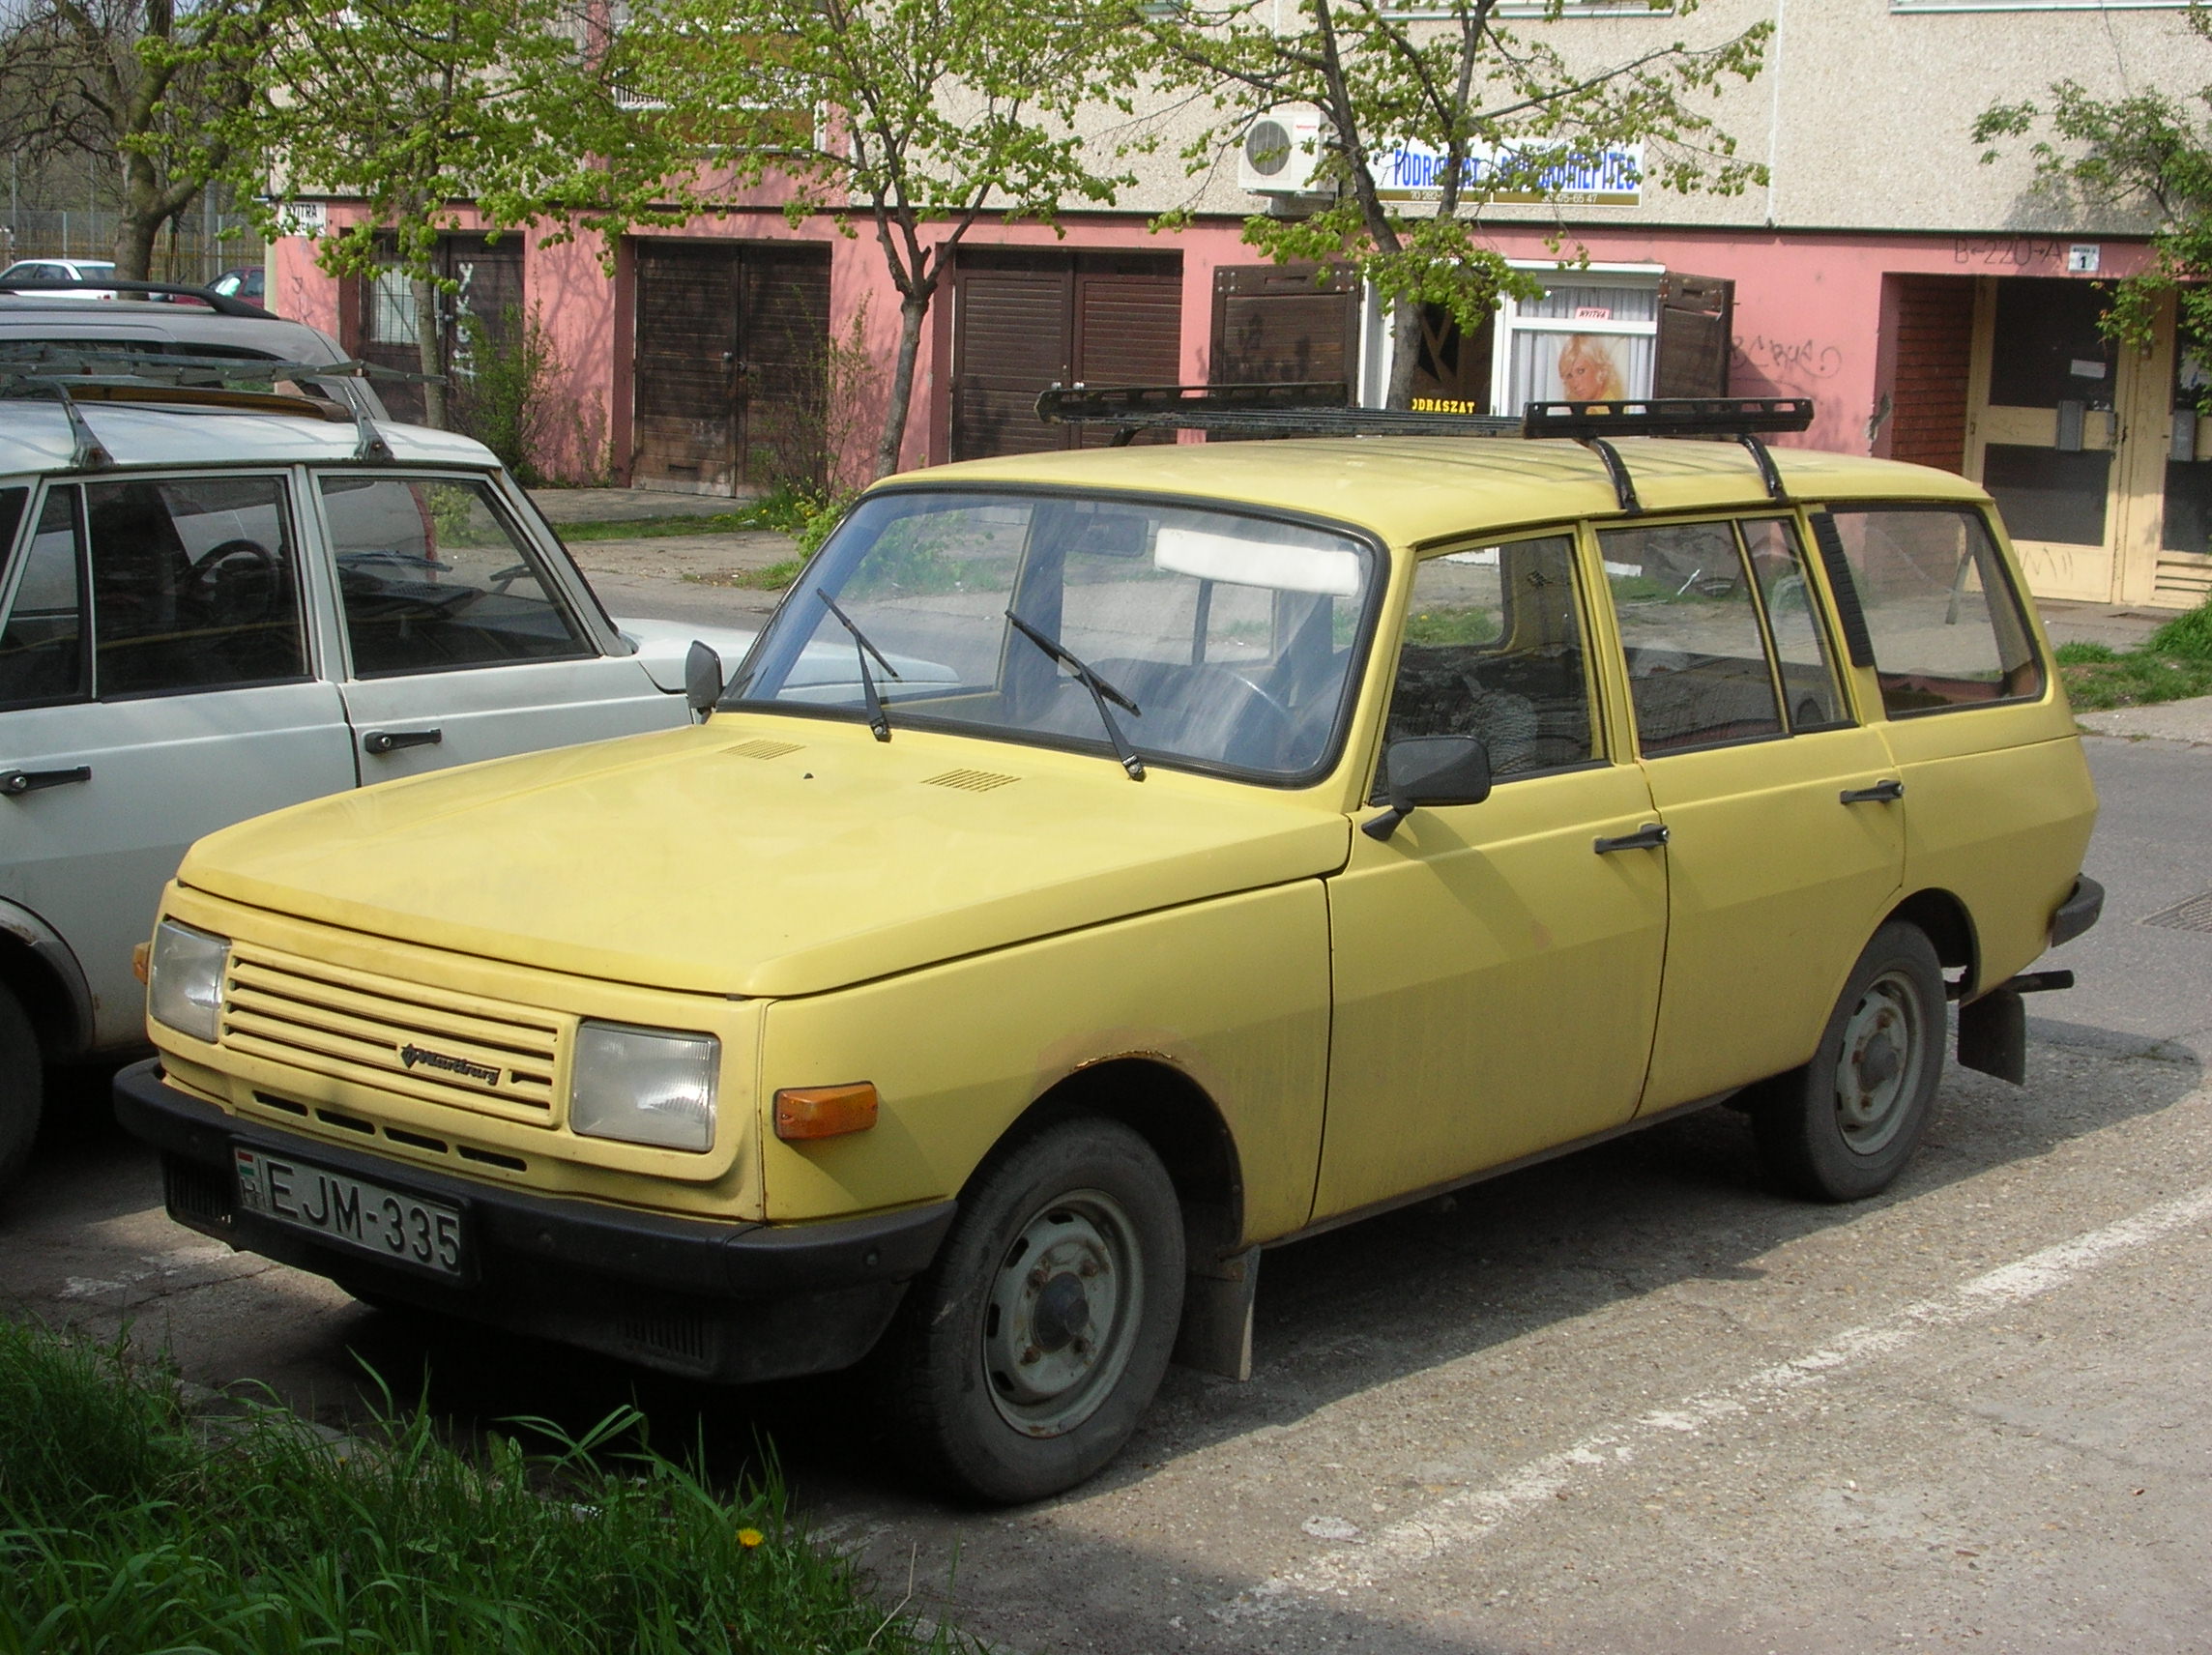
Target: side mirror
[702, 678]
[1430, 769]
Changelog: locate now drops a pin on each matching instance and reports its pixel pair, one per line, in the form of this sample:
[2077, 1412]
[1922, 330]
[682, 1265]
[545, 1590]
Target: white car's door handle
[392, 740]
[14, 782]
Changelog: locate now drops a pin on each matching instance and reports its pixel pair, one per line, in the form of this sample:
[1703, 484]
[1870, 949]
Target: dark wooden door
[731, 348]
[1278, 324]
[1697, 317]
[1024, 321]
[486, 284]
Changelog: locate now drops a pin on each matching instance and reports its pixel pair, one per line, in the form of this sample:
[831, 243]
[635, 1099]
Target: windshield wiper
[1101, 693]
[876, 720]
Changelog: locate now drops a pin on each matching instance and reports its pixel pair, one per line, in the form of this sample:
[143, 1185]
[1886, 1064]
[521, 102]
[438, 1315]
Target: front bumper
[726, 1301]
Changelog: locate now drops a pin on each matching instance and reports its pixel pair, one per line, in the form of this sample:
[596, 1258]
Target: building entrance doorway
[2078, 441]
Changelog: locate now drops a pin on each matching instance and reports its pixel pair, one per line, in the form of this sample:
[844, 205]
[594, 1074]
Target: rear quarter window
[1947, 628]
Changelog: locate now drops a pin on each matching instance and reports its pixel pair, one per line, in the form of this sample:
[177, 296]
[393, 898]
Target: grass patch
[807, 519]
[1471, 625]
[773, 578]
[2173, 664]
[128, 1524]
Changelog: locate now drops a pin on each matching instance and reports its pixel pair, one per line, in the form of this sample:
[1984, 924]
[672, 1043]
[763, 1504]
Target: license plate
[353, 1211]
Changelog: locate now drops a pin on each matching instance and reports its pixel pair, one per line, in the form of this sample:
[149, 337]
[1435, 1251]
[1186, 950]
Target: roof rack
[1321, 408]
[221, 304]
[123, 372]
[87, 452]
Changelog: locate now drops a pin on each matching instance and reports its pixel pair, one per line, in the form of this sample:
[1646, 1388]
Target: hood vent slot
[970, 782]
[762, 749]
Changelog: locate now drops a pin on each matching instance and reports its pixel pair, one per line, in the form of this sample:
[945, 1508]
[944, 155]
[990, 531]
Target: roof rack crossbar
[86, 452]
[1776, 490]
[139, 359]
[1668, 417]
[1623, 485]
[221, 304]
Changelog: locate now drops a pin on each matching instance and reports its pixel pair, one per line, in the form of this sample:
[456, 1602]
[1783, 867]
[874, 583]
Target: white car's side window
[42, 646]
[195, 585]
[433, 578]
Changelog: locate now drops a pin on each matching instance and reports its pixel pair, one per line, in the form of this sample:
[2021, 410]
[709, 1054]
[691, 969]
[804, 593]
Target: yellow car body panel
[762, 855]
[1232, 994]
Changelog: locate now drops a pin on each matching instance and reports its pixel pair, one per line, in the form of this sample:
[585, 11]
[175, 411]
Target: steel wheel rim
[1062, 1315]
[1879, 1065]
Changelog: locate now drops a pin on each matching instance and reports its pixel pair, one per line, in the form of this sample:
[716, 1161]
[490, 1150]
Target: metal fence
[202, 246]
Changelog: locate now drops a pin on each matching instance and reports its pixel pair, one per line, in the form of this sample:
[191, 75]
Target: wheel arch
[1182, 1123]
[40, 970]
[1949, 926]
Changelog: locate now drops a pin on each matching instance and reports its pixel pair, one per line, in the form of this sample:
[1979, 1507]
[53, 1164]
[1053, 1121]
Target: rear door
[461, 645]
[1786, 833]
[155, 683]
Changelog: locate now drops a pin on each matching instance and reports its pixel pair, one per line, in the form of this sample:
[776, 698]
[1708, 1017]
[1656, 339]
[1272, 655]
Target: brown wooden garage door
[1024, 321]
[728, 379]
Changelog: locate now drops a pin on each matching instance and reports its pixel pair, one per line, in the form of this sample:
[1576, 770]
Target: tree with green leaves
[917, 117]
[416, 107]
[149, 87]
[1492, 112]
[2148, 152]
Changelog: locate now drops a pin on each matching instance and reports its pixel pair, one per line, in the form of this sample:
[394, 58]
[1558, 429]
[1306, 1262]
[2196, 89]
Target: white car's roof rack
[221, 304]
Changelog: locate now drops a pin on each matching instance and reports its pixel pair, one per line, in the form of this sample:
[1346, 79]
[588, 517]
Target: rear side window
[1945, 623]
[1698, 670]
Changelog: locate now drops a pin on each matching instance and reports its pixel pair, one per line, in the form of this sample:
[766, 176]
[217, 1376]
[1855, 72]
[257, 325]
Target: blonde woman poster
[1588, 372]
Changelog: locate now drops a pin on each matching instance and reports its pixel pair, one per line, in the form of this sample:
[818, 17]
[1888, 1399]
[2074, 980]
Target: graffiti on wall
[1766, 364]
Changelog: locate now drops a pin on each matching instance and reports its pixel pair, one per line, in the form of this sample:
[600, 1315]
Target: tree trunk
[139, 223]
[913, 310]
[428, 354]
[1405, 354]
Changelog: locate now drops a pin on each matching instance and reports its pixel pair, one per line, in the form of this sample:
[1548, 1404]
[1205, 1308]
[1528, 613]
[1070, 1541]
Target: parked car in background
[228, 327]
[243, 283]
[89, 271]
[1296, 829]
[217, 603]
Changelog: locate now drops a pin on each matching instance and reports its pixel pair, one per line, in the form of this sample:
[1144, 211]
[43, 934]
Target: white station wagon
[213, 603]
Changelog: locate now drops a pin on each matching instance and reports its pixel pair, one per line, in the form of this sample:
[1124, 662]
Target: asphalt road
[1626, 1401]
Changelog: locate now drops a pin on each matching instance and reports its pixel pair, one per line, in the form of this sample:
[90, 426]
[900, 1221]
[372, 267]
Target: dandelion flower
[748, 1538]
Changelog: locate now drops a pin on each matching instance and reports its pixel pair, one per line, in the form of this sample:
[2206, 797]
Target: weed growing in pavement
[126, 1523]
[2173, 664]
[773, 578]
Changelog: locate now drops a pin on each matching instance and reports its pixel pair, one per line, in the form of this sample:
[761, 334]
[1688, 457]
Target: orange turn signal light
[140, 954]
[825, 1112]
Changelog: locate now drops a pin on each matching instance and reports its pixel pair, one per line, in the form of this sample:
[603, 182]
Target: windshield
[1232, 636]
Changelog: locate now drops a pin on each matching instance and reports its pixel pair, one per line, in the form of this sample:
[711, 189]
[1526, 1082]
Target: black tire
[1844, 1126]
[22, 1088]
[992, 1390]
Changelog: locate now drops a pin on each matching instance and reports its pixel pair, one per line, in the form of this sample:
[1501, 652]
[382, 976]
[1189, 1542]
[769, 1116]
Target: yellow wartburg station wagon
[1110, 863]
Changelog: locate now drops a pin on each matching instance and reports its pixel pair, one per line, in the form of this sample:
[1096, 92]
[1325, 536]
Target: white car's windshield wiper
[1101, 693]
[878, 721]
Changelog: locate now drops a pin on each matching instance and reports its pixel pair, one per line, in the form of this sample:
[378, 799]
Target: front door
[1786, 830]
[1496, 964]
[154, 685]
[460, 647]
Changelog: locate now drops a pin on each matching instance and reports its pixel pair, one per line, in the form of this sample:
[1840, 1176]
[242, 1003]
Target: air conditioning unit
[1282, 152]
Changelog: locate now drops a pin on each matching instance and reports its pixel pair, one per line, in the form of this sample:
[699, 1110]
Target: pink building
[1936, 309]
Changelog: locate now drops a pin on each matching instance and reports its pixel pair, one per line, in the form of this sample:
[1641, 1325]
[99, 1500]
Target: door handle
[14, 782]
[392, 740]
[1881, 792]
[1649, 837]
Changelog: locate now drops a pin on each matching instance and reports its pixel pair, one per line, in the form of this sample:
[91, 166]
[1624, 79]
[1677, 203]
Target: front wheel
[1022, 1360]
[1842, 1128]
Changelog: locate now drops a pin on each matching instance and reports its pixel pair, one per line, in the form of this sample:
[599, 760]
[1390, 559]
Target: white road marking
[177, 1261]
[1461, 1520]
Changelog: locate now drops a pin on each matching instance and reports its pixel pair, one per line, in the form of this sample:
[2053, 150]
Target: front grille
[400, 1037]
[197, 1194]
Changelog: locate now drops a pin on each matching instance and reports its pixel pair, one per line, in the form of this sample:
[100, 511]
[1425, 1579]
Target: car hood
[758, 855]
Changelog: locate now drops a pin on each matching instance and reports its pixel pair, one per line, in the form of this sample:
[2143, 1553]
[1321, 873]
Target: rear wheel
[1842, 1128]
[22, 1088]
[1022, 1360]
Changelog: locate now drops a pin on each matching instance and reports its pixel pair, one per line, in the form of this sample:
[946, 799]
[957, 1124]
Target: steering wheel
[237, 583]
[1278, 723]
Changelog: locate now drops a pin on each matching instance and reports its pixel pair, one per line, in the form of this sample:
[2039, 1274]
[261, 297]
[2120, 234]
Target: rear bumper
[2079, 911]
[727, 1301]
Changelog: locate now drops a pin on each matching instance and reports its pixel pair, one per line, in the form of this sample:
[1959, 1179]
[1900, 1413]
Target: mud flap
[1217, 1332]
[1993, 1035]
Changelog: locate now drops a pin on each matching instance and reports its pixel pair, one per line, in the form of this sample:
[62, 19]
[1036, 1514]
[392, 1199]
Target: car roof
[1415, 490]
[27, 316]
[35, 436]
